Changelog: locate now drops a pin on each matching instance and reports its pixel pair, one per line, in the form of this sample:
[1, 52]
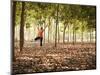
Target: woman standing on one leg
[40, 35]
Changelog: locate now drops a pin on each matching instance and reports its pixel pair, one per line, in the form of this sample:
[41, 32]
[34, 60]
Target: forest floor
[64, 57]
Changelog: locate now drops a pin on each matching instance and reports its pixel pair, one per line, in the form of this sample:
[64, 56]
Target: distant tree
[88, 13]
[57, 11]
[22, 27]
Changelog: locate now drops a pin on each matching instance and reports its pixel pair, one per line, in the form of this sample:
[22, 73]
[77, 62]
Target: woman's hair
[41, 28]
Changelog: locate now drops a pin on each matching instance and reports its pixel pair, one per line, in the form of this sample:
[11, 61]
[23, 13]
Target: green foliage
[82, 17]
[28, 25]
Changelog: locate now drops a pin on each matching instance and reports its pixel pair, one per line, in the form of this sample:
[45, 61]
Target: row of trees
[65, 18]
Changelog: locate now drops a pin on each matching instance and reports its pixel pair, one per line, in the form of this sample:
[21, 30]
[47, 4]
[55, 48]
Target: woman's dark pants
[39, 38]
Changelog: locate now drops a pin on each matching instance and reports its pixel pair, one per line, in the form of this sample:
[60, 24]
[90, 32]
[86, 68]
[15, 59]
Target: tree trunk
[90, 36]
[13, 29]
[22, 27]
[87, 37]
[64, 34]
[82, 36]
[82, 33]
[70, 36]
[56, 25]
[44, 32]
[95, 36]
[58, 34]
[73, 35]
[68, 33]
[49, 31]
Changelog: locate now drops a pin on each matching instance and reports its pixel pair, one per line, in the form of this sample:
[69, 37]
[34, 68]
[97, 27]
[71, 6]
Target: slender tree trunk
[82, 36]
[87, 37]
[70, 36]
[58, 34]
[16, 33]
[13, 29]
[44, 32]
[68, 33]
[64, 34]
[44, 36]
[95, 36]
[56, 25]
[22, 27]
[90, 36]
[73, 35]
[49, 31]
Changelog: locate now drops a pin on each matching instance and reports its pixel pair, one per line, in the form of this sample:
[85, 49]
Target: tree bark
[22, 27]
[95, 36]
[64, 34]
[68, 33]
[90, 36]
[56, 25]
[82, 36]
[49, 31]
[44, 33]
[58, 34]
[87, 37]
[13, 29]
[70, 36]
[73, 35]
